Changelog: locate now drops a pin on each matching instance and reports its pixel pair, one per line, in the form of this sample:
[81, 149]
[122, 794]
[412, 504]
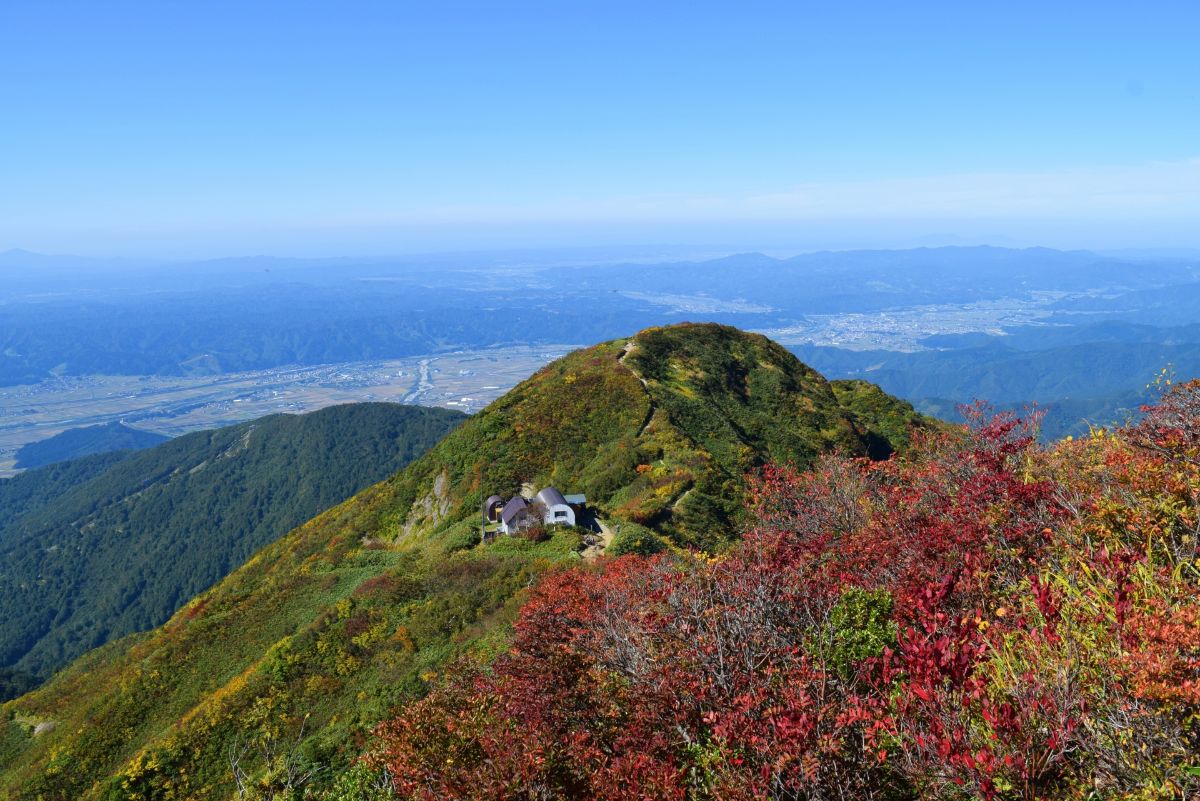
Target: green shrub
[862, 628]
[461, 540]
[633, 538]
[359, 783]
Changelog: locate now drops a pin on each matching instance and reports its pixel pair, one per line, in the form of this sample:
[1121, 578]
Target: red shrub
[1016, 660]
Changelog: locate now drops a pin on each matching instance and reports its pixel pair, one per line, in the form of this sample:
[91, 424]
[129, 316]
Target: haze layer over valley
[177, 347]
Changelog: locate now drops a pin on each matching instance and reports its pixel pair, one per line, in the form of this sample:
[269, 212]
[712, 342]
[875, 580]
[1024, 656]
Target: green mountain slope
[300, 651]
[659, 429]
[33, 490]
[96, 548]
[888, 420]
[79, 442]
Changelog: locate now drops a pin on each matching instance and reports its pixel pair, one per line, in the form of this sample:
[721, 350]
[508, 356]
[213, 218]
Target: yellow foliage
[404, 639]
[346, 664]
[375, 634]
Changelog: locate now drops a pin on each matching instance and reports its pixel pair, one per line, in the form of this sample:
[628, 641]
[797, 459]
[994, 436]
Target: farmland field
[466, 380]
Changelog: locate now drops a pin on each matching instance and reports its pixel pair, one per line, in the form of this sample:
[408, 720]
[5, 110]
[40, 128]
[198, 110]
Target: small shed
[491, 508]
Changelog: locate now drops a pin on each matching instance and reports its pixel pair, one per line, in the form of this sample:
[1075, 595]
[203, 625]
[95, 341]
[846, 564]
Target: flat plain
[466, 380]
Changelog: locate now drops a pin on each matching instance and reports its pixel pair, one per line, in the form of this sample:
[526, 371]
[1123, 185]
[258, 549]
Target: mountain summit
[322, 633]
[658, 429]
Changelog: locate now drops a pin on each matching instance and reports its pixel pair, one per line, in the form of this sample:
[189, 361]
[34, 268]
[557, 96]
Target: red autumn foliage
[983, 618]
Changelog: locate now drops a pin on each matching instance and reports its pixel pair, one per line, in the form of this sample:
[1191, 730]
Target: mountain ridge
[355, 611]
[86, 441]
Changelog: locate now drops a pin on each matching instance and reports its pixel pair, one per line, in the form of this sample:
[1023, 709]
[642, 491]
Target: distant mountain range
[1079, 333]
[257, 313]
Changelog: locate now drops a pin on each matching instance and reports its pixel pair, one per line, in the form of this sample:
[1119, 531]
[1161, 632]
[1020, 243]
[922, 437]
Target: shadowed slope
[97, 548]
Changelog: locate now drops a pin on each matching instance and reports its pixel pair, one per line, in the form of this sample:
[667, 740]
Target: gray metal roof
[576, 500]
[512, 509]
[549, 496]
[489, 505]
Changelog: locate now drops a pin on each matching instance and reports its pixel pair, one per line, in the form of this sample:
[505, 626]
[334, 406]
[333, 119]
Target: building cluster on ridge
[548, 507]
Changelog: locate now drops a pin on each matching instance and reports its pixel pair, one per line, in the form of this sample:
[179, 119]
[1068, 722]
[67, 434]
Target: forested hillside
[276, 675]
[28, 492]
[96, 548]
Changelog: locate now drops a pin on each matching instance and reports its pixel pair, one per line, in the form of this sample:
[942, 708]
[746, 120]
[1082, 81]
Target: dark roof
[549, 496]
[489, 505]
[512, 509]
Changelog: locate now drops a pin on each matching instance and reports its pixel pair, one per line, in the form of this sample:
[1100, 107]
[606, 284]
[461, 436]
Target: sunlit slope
[659, 429]
[347, 616]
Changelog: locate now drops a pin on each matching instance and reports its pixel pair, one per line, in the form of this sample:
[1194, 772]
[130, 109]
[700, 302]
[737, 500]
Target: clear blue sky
[212, 127]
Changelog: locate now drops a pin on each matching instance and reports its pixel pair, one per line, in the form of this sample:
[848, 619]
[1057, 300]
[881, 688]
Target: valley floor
[466, 380]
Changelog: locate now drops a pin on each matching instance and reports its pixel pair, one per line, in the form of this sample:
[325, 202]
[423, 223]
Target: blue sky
[299, 127]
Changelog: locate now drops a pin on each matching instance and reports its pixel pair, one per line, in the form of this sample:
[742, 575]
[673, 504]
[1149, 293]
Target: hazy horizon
[383, 245]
